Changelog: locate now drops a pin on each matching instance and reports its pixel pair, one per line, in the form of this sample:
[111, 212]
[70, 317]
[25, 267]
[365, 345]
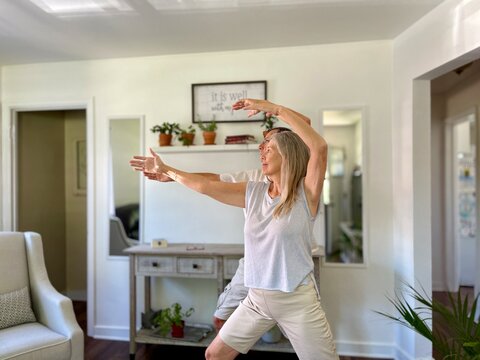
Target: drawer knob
[155, 264]
[196, 266]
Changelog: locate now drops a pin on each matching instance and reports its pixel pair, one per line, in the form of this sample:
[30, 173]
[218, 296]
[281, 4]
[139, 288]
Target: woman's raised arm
[317, 164]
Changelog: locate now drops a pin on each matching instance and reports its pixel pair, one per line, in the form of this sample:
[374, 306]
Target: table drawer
[230, 265]
[155, 264]
[192, 265]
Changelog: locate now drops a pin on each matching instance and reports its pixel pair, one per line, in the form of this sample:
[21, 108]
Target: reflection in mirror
[342, 194]
[125, 185]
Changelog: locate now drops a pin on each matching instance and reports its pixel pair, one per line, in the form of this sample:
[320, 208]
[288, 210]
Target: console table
[207, 261]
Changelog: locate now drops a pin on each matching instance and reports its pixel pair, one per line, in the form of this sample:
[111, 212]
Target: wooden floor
[113, 350]
[118, 350]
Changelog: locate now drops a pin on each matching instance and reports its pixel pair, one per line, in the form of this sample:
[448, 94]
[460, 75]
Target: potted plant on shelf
[187, 135]
[166, 130]
[268, 124]
[209, 133]
[172, 319]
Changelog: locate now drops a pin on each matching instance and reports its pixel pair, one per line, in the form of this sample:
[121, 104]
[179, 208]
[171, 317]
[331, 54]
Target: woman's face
[270, 157]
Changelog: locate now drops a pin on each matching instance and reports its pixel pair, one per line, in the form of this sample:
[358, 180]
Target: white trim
[450, 260]
[120, 333]
[439, 286]
[365, 349]
[10, 196]
[401, 354]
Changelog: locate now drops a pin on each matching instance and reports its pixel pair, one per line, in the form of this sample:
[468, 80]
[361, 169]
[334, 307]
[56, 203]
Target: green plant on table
[458, 338]
[171, 316]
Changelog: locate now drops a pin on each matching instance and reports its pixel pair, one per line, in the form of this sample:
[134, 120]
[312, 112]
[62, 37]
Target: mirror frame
[141, 150]
[365, 182]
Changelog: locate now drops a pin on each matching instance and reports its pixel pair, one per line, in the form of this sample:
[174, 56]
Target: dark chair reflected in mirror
[124, 228]
[343, 195]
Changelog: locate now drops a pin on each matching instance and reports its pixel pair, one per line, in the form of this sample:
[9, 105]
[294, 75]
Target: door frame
[452, 271]
[10, 178]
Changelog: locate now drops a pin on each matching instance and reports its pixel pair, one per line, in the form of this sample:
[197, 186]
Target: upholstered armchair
[36, 322]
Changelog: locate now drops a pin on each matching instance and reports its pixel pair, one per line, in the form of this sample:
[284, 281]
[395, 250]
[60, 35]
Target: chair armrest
[51, 308]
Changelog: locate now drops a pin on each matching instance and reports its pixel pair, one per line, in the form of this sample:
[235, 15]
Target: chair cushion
[15, 308]
[33, 341]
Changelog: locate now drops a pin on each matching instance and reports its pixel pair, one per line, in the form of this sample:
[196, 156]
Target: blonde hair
[295, 155]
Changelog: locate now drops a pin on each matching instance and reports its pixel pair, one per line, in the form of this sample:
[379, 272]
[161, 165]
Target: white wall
[445, 38]
[305, 78]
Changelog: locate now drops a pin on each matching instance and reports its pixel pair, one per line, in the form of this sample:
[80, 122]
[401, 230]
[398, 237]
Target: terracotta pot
[177, 330]
[188, 138]
[209, 137]
[165, 139]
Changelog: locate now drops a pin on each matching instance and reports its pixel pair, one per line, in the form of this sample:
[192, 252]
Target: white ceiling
[29, 34]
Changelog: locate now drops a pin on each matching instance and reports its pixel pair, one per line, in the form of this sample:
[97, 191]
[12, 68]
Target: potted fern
[209, 133]
[166, 130]
[459, 336]
[172, 319]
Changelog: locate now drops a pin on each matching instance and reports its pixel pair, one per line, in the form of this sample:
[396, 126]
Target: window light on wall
[75, 7]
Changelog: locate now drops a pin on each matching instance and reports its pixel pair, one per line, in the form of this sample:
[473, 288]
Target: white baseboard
[121, 333]
[344, 348]
[366, 349]
[439, 286]
[401, 354]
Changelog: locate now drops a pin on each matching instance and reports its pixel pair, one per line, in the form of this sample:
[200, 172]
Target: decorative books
[240, 139]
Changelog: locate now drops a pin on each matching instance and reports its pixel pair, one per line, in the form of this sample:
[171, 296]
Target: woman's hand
[151, 166]
[255, 106]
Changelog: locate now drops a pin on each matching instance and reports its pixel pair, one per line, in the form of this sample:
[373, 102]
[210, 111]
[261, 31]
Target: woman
[278, 230]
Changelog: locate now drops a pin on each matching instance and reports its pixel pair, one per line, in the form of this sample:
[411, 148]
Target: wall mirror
[343, 191]
[125, 185]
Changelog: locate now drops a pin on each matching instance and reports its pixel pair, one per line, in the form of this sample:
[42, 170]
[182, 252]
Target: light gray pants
[299, 314]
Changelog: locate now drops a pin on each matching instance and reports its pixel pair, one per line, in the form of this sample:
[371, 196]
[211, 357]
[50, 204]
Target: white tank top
[278, 252]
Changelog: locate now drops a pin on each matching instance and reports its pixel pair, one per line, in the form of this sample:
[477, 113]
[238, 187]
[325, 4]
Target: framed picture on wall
[213, 101]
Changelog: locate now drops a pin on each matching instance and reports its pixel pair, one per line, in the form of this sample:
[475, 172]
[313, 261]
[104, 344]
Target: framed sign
[214, 101]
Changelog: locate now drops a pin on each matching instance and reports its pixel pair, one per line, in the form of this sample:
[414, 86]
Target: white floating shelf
[206, 148]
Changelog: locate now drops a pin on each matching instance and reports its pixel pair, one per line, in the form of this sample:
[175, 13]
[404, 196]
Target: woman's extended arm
[317, 165]
[227, 193]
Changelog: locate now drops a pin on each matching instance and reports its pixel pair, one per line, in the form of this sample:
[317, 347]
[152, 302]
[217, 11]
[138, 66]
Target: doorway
[461, 204]
[454, 181]
[51, 192]
[465, 207]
